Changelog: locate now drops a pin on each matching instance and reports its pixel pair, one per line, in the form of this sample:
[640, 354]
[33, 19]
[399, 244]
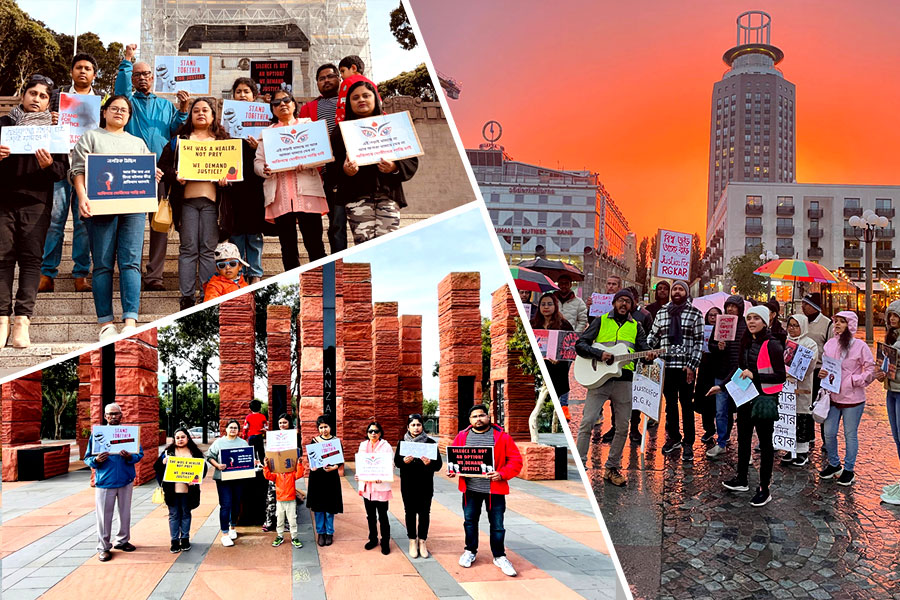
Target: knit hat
[624, 294]
[228, 251]
[814, 299]
[684, 284]
[760, 311]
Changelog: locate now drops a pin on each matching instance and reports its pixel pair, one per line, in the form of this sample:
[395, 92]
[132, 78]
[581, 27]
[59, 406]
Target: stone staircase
[65, 320]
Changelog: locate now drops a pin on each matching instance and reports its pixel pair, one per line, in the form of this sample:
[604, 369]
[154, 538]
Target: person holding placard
[269, 523]
[181, 498]
[797, 330]
[83, 72]
[229, 491]
[294, 197]
[550, 317]
[113, 484]
[857, 371]
[660, 297]
[371, 194]
[762, 361]
[891, 492]
[323, 491]
[726, 359]
[28, 181]
[285, 496]
[820, 330]
[417, 484]
[117, 238]
[376, 493]
[706, 379]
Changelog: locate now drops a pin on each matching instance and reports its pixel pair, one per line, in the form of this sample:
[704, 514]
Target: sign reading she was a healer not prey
[210, 161]
[183, 469]
[188, 73]
[305, 143]
[120, 184]
[391, 137]
[673, 260]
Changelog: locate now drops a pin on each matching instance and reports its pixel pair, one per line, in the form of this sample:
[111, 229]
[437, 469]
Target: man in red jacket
[490, 490]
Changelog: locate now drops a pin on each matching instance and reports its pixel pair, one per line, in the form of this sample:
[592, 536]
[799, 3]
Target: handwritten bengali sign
[272, 75]
[305, 143]
[673, 259]
[726, 328]
[601, 304]
[784, 436]
[120, 184]
[27, 139]
[324, 453]
[470, 461]
[419, 450]
[114, 439]
[245, 119]
[182, 469]
[375, 466]
[210, 161]
[188, 73]
[391, 137]
[81, 112]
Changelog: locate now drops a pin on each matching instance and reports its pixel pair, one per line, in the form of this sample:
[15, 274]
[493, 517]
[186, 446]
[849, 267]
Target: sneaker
[757, 449]
[296, 543]
[608, 436]
[801, 460]
[786, 459]
[736, 485]
[614, 476]
[669, 447]
[232, 533]
[277, 541]
[891, 488]
[687, 455]
[828, 472]
[128, 329]
[108, 331]
[266, 529]
[227, 541]
[892, 496]
[175, 548]
[504, 565]
[715, 451]
[467, 559]
[185, 544]
[707, 438]
[846, 478]
[761, 498]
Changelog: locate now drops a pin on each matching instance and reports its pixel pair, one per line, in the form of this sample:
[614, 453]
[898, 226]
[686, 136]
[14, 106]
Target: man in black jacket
[725, 361]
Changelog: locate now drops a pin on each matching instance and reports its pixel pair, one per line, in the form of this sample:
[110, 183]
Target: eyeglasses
[140, 74]
[119, 110]
[221, 264]
[282, 100]
[41, 79]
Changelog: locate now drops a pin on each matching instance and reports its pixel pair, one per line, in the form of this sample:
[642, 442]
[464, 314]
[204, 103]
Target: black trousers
[764, 429]
[421, 508]
[677, 391]
[381, 508]
[311, 230]
[24, 222]
[337, 223]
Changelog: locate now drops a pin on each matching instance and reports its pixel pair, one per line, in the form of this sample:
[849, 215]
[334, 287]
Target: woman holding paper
[323, 491]
[857, 371]
[229, 491]
[417, 485]
[376, 493]
[115, 238]
[891, 493]
[181, 498]
[28, 181]
[550, 317]
[293, 197]
[761, 360]
[797, 330]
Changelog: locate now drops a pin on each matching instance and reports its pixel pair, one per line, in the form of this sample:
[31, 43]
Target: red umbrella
[526, 279]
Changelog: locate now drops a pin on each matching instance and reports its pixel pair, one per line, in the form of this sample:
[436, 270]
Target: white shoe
[108, 331]
[232, 533]
[226, 541]
[466, 559]
[504, 565]
[715, 451]
[129, 329]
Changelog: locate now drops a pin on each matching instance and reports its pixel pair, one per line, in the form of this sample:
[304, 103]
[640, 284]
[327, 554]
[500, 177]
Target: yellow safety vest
[610, 332]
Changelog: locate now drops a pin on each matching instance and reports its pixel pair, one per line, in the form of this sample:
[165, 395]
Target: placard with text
[389, 137]
[303, 144]
[188, 73]
[470, 461]
[272, 75]
[81, 112]
[245, 119]
[120, 184]
[210, 161]
[673, 259]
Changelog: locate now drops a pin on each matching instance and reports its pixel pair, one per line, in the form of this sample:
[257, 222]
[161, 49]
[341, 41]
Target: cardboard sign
[470, 461]
[182, 469]
[240, 463]
[119, 184]
[557, 344]
[601, 304]
[375, 466]
[784, 436]
[832, 382]
[272, 75]
[529, 310]
[799, 363]
[327, 452]
[245, 119]
[210, 161]
[726, 328]
[707, 334]
[419, 450]
[27, 139]
[290, 146]
[646, 388]
[81, 112]
[188, 73]
[114, 439]
[673, 259]
[391, 137]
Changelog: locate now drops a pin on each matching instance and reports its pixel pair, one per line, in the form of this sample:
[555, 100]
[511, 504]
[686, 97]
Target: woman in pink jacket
[376, 493]
[857, 371]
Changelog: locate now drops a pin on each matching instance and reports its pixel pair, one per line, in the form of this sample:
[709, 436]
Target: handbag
[158, 496]
[822, 406]
[162, 218]
[765, 408]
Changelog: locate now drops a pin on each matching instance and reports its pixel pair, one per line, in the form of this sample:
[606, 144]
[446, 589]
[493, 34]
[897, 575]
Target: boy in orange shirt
[228, 278]
[285, 502]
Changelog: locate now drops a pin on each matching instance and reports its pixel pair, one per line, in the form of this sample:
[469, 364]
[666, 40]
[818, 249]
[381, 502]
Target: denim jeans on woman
[64, 201]
[116, 239]
[851, 416]
[179, 518]
[229, 503]
[893, 411]
[324, 522]
[724, 418]
[199, 234]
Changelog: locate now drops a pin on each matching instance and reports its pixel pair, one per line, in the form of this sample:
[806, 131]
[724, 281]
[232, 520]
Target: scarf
[21, 118]
[419, 439]
[565, 297]
[676, 337]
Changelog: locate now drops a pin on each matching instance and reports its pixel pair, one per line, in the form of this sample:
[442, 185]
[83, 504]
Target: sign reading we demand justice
[210, 161]
[673, 260]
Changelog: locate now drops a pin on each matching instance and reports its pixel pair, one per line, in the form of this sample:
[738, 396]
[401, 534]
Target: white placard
[832, 382]
[800, 362]
[419, 450]
[601, 304]
[27, 139]
[188, 73]
[305, 143]
[391, 137]
[784, 436]
[673, 261]
[707, 334]
[324, 453]
[114, 439]
[245, 119]
[81, 112]
[646, 388]
[279, 440]
[741, 389]
[375, 466]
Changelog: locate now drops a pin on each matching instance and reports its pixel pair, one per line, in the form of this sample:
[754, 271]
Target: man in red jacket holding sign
[491, 489]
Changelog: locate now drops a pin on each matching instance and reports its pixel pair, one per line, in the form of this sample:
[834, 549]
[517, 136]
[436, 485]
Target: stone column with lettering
[410, 376]
[278, 352]
[237, 358]
[357, 406]
[385, 377]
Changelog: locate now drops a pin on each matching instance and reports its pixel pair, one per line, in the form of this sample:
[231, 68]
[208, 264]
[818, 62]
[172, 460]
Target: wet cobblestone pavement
[679, 534]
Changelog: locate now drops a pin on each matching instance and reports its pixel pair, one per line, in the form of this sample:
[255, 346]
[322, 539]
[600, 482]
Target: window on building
[851, 244]
[883, 245]
[883, 203]
[784, 222]
[567, 200]
[814, 205]
[519, 199]
[851, 203]
[495, 198]
[495, 216]
[754, 221]
[542, 219]
[752, 242]
[784, 244]
[517, 218]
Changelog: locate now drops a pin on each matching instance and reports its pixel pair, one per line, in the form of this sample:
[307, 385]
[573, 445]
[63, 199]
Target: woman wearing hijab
[797, 331]
[857, 371]
[417, 485]
[761, 361]
[891, 493]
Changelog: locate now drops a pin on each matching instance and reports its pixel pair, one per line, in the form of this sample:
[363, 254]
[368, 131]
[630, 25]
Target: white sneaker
[232, 533]
[108, 331]
[504, 565]
[466, 559]
[226, 541]
[129, 329]
[715, 451]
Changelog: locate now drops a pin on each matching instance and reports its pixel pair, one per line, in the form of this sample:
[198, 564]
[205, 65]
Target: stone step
[60, 303]
[74, 329]
[13, 360]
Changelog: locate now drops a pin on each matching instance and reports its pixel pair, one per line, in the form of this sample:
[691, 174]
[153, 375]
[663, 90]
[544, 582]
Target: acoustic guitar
[593, 372]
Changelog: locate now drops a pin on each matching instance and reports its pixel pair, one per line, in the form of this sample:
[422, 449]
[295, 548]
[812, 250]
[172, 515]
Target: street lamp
[868, 222]
[766, 257]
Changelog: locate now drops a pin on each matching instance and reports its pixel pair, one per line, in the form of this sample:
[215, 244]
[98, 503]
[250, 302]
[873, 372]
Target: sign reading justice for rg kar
[674, 258]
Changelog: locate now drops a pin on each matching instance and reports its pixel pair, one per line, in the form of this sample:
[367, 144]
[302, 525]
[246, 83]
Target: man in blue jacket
[155, 120]
[114, 482]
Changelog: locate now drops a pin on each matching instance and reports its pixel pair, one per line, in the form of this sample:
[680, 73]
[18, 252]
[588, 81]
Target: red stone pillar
[83, 406]
[237, 358]
[410, 376]
[357, 406]
[21, 410]
[137, 394]
[385, 375]
[278, 351]
[459, 328]
[518, 388]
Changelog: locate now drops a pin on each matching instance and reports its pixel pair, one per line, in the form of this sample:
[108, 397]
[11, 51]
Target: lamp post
[766, 257]
[868, 222]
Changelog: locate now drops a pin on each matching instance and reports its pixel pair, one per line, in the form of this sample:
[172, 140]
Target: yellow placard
[181, 469]
[210, 161]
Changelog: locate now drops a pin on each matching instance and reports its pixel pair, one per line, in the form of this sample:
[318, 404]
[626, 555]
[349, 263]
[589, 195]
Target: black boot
[329, 539]
[371, 543]
[185, 544]
[321, 539]
[385, 546]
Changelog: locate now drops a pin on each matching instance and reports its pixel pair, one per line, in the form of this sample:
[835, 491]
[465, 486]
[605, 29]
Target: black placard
[471, 461]
[270, 74]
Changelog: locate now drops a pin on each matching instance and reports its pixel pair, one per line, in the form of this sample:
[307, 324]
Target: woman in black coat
[417, 485]
[181, 498]
[323, 491]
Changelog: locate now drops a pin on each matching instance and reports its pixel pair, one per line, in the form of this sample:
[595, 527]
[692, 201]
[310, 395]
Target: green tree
[740, 272]
[486, 360]
[190, 397]
[27, 47]
[416, 83]
[59, 390]
[643, 266]
[108, 59]
[192, 341]
[402, 29]
[429, 408]
[696, 257]
[654, 252]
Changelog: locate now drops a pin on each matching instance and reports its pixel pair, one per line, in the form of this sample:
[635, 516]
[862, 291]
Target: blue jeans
[229, 503]
[180, 518]
[496, 504]
[65, 200]
[324, 522]
[893, 411]
[724, 419]
[851, 416]
[251, 247]
[199, 234]
[116, 238]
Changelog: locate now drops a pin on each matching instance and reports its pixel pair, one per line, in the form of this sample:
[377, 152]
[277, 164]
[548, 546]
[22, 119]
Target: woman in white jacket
[797, 330]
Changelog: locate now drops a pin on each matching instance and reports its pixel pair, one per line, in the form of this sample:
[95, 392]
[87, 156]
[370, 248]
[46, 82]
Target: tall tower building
[752, 124]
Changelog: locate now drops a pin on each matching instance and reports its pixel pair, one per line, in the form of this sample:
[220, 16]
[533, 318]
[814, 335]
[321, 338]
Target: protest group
[223, 173]
[738, 364]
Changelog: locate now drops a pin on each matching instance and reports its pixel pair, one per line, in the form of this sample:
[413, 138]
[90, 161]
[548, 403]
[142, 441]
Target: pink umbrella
[704, 303]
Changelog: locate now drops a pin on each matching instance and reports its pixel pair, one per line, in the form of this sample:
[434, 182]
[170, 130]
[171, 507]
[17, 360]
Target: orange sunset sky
[624, 88]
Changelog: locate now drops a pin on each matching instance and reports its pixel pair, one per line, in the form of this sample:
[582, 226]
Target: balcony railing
[851, 231]
[885, 253]
[815, 232]
[853, 252]
[785, 210]
[884, 233]
[784, 251]
[815, 252]
[753, 229]
[815, 213]
[850, 211]
[751, 248]
[885, 212]
[754, 209]
[784, 230]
